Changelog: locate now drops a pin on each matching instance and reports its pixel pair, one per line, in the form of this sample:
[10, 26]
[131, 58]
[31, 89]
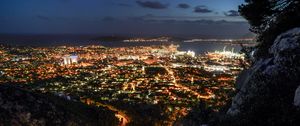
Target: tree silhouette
[269, 18]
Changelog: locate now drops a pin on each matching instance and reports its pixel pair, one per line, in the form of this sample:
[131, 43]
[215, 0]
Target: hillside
[19, 107]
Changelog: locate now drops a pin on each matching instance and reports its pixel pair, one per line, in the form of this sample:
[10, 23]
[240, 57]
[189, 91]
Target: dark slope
[21, 107]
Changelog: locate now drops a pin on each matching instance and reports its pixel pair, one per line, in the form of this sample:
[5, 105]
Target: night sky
[126, 17]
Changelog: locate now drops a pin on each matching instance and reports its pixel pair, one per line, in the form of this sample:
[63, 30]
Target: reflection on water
[197, 47]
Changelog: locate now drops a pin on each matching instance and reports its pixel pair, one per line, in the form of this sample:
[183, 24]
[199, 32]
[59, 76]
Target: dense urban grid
[144, 84]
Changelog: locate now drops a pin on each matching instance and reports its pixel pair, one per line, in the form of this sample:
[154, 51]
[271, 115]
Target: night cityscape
[168, 81]
[149, 63]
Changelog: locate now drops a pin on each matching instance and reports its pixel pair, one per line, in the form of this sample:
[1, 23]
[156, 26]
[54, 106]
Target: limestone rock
[272, 79]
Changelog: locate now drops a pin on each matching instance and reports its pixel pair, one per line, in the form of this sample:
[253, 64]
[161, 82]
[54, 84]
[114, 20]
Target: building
[70, 59]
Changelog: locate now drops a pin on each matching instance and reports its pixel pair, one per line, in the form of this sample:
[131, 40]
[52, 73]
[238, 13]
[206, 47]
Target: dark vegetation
[21, 107]
[155, 71]
[270, 18]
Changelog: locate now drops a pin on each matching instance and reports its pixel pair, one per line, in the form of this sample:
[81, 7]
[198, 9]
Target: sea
[197, 47]
[80, 40]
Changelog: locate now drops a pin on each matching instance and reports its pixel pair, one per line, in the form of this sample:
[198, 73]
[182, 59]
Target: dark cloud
[181, 19]
[232, 13]
[41, 17]
[152, 4]
[149, 18]
[183, 6]
[203, 22]
[202, 9]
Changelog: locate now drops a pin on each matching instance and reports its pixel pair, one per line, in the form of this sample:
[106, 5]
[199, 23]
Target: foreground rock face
[19, 107]
[269, 86]
[297, 97]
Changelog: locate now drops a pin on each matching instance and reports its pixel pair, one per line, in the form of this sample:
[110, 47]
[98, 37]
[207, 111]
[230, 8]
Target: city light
[125, 76]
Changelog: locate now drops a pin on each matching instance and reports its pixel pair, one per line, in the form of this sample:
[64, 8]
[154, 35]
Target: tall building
[70, 59]
[74, 58]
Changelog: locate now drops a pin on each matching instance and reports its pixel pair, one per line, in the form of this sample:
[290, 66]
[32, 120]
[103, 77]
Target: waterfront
[198, 47]
[155, 85]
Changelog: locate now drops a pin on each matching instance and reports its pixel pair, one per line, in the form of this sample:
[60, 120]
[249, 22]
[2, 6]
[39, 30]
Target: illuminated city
[149, 63]
[127, 79]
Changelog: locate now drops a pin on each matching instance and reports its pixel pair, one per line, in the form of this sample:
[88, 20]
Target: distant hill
[110, 38]
[19, 107]
[248, 35]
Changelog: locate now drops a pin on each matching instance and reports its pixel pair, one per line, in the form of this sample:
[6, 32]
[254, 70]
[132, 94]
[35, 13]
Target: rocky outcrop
[297, 97]
[268, 87]
[19, 107]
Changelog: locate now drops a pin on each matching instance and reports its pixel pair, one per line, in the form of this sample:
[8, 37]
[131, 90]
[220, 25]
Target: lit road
[171, 73]
[123, 118]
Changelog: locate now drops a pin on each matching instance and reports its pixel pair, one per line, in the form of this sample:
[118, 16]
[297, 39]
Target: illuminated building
[129, 75]
[71, 59]
[225, 54]
[128, 57]
[214, 68]
[191, 53]
[182, 53]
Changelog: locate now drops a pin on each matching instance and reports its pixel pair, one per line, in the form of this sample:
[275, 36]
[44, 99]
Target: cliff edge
[267, 92]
